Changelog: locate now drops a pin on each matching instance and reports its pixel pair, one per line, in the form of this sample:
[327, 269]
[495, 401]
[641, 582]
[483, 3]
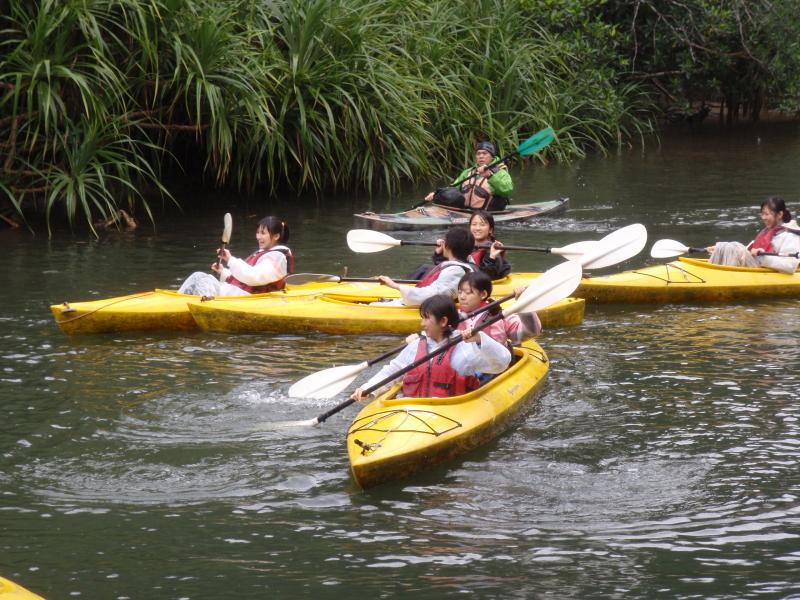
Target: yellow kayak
[167, 310]
[11, 591]
[392, 438]
[689, 280]
[146, 311]
[332, 314]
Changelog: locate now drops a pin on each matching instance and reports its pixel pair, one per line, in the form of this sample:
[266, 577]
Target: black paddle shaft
[473, 171]
[528, 248]
[421, 361]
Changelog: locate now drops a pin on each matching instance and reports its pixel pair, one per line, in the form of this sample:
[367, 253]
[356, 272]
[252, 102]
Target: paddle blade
[553, 285]
[327, 383]
[227, 229]
[668, 249]
[536, 142]
[616, 246]
[367, 240]
[576, 251]
[303, 278]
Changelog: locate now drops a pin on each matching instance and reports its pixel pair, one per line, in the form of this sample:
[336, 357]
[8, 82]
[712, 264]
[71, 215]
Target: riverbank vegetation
[100, 98]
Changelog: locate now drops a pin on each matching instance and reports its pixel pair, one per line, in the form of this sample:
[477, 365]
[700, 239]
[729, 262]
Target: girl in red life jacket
[444, 277]
[265, 270]
[487, 254]
[773, 238]
[490, 260]
[474, 291]
[452, 372]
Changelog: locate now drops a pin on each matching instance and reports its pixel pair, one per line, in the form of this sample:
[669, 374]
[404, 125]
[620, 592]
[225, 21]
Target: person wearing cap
[485, 187]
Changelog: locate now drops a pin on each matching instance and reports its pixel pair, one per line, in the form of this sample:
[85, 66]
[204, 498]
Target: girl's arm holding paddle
[478, 353]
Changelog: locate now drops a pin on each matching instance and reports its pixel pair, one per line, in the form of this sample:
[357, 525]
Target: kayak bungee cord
[69, 309]
[410, 413]
[669, 279]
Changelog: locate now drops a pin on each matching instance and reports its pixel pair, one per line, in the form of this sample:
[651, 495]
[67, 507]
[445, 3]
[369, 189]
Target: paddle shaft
[505, 247]
[226, 236]
[322, 278]
[373, 279]
[701, 250]
[473, 313]
[421, 361]
[473, 171]
[219, 254]
[393, 351]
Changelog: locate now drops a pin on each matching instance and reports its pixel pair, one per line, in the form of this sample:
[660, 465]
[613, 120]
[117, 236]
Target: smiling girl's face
[481, 230]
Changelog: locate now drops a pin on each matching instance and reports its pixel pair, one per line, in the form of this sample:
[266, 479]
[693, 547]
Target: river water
[660, 460]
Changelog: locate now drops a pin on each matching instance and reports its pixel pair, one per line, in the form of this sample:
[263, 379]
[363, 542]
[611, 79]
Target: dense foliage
[98, 96]
[742, 55]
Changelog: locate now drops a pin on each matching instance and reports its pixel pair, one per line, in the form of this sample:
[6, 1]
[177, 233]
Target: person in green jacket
[485, 187]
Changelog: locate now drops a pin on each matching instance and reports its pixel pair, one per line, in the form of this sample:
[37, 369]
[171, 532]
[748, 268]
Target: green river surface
[659, 461]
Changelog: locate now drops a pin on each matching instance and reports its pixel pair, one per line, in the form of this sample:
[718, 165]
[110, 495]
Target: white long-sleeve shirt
[271, 266]
[784, 242]
[446, 283]
[467, 359]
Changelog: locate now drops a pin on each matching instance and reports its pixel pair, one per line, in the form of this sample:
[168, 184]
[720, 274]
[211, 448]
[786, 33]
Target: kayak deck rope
[410, 418]
[668, 279]
[538, 354]
[69, 309]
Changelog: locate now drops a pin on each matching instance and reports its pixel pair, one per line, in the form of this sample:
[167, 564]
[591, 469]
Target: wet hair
[275, 225]
[460, 242]
[776, 204]
[487, 218]
[439, 306]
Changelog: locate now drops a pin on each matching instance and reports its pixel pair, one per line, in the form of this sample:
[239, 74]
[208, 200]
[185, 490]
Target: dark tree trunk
[758, 105]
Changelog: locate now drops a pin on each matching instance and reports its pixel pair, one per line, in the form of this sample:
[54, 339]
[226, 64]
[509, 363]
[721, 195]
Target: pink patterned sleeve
[522, 327]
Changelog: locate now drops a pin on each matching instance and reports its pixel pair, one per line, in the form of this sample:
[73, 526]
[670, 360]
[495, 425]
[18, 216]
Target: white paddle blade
[327, 383]
[617, 246]
[366, 240]
[575, 251]
[553, 285]
[668, 249]
[227, 229]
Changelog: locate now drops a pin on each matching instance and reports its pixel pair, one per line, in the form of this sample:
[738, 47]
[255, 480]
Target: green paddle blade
[536, 142]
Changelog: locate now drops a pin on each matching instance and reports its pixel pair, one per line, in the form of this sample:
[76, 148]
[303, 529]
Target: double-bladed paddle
[365, 241]
[533, 144]
[553, 285]
[615, 247]
[331, 382]
[671, 248]
[302, 278]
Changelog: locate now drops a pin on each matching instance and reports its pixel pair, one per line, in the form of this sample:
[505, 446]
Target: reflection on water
[659, 460]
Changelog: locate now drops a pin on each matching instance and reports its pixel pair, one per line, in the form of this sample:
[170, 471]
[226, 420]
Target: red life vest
[273, 286]
[764, 239]
[477, 255]
[434, 273]
[436, 378]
